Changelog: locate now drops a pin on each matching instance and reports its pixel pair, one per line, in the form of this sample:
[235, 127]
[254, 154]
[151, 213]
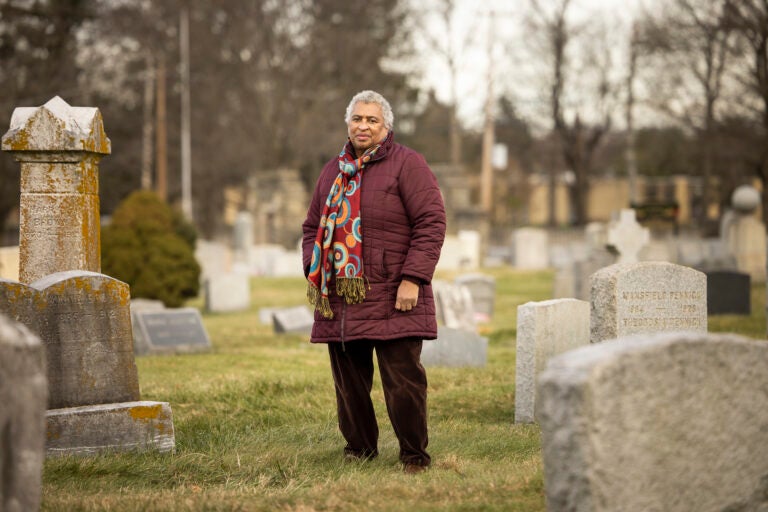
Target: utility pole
[147, 129]
[161, 134]
[186, 143]
[631, 158]
[486, 169]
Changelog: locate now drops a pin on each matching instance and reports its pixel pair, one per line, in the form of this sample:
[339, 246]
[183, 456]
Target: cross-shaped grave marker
[627, 237]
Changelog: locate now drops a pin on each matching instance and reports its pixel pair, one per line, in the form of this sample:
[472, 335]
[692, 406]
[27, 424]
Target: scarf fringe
[321, 304]
[351, 288]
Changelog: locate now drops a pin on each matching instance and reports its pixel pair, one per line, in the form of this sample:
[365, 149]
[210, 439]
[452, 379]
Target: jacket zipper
[343, 321]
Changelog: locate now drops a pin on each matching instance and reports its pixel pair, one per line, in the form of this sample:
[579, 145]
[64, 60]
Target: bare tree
[749, 20]
[688, 49]
[442, 41]
[569, 100]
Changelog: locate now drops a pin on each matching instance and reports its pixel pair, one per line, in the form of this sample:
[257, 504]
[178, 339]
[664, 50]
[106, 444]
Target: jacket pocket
[374, 266]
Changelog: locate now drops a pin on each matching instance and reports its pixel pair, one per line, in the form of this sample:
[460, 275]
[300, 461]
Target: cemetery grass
[256, 427]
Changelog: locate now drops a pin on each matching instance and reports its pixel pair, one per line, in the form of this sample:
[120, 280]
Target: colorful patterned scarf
[339, 241]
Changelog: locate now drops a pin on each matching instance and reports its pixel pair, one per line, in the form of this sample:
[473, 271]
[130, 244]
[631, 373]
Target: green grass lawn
[256, 427]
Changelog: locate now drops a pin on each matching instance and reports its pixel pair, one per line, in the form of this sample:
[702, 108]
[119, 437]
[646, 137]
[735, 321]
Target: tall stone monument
[59, 148]
[744, 234]
[81, 315]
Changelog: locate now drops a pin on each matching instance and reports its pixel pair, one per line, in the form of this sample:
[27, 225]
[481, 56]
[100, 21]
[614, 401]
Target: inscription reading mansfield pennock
[640, 310]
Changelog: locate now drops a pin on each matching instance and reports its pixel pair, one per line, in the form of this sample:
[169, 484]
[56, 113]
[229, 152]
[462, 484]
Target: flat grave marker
[172, 330]
[297, 319]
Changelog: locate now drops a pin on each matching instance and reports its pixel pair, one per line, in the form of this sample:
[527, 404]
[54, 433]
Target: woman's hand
[407, 295]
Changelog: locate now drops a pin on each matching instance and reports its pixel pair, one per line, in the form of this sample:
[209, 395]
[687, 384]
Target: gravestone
[626, 237]
[298, 319]
[214, 258]
[745, 235]
[531, 248]
[227, 292]
[647, 297]
[85, 324]
[728, 293]
[140, 345]
[578, 260]
[460, 251]
[23, 393]
[482, 289]
[455, 348]
[453, 306]
[243, 237]
[171, 331]
[674, 422]
[81, 316]
[544, 329]
[263, 257]
[471, 247]
[289, 264]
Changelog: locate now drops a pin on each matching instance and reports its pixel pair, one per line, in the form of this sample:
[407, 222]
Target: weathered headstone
[455, 348]
[647, 297]
[482, 289]
[728, 293]
[171, 331]
[85, 325]
[81, 316]
[23, 394]
[544, 329]
[453, 306]
[531, 248]
[227, 292]
[298, 319]
[672, 422]
[627, 237]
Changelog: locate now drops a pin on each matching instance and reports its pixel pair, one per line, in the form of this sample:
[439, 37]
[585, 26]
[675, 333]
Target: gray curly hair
[372, 97]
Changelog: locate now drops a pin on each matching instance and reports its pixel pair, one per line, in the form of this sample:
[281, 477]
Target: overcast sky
[517, 71]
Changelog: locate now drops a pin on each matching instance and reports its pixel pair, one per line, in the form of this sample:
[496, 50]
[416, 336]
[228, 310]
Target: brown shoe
[413, 469]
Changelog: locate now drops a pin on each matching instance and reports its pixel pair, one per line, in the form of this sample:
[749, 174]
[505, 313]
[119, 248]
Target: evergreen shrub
[151, 247]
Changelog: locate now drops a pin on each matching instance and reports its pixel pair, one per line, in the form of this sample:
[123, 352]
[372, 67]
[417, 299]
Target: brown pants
[405, 392]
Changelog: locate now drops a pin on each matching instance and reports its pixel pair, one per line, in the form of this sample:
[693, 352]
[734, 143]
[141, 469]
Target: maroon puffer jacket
[403, 228]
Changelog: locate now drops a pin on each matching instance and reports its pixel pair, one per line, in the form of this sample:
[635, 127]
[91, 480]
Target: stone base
[127, 426]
